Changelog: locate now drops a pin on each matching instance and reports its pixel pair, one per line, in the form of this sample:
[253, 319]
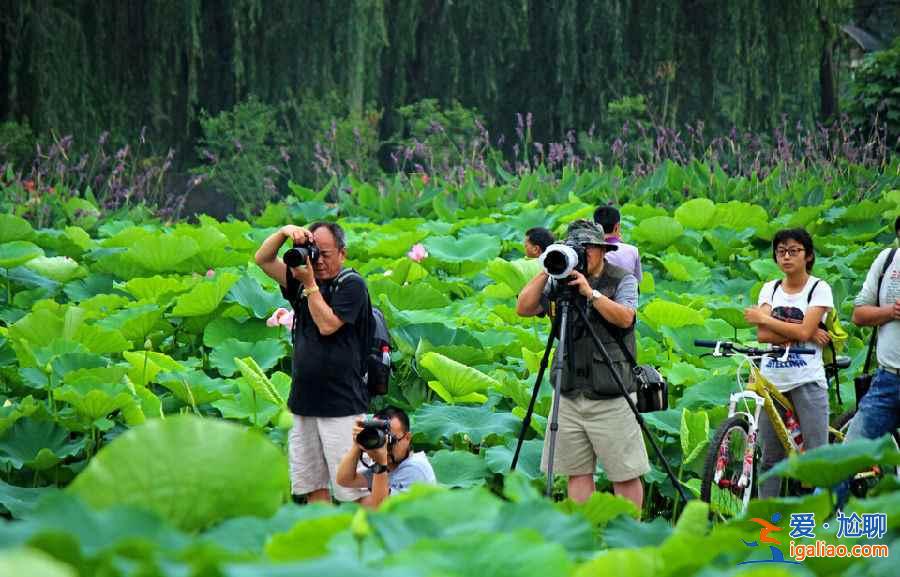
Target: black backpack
[377, 363]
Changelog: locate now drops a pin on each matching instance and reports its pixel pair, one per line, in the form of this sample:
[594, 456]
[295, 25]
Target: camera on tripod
[561, 260]
[297, 255]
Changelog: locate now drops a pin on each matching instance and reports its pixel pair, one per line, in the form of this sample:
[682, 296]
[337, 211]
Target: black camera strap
[887, 263]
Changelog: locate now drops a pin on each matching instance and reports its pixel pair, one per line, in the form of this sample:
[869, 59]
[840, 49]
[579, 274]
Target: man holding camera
[331, 315]
[386, 439]
[595, 421]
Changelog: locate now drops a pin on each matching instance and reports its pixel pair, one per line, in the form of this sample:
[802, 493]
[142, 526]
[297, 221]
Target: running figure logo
[766, 528]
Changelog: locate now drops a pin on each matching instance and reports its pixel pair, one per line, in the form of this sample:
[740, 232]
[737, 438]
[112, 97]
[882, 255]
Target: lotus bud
[148, 344]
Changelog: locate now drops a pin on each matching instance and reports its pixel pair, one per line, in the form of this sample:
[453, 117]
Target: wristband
[378, 468]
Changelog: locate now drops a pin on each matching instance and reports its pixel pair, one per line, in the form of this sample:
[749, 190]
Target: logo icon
[767, 527]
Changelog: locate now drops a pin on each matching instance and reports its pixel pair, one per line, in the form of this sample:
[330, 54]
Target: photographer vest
[586, 372]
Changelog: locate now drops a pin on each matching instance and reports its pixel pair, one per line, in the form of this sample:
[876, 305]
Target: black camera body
[297, 255]
[374, 434]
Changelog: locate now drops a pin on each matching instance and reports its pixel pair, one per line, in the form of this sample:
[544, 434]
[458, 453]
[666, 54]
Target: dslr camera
[560, 260]
[297, 255]
[375, 433]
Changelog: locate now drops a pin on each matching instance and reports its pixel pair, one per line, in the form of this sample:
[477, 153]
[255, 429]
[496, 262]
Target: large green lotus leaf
[235, 230]
[255, 376]
[162, 253]
[601, 508]
[249, 331]
[727, 242]
[514, 274]
[681, 373]
[627, 533]
[88, 287]
[267, 353]
[205, 297]
[499, 458]
[683, 337]
[19, 562]
[248, 406]
[660, 313]
[134, 323]
[309, 538]
[37, 444]
[192, 471]
[405, 271]
[456, 378]
[694, 434]
[407, 337]
[642, 562]
[740, 215]
[62, 269]
[21, 501]
[157, 288]
[473, 248]
[18, 252]
[79, 237]
[206, 237]
[436, 422]
[571, 531]
[245, 538]
[93, 400]
[67, 363]
[409, 297]
[40, 327]
[214, 259]
[713, 392]
[393, 245]
[458, 468]
[696, 213]
[99, 375]
[658, 231]
[146, 365]
[684, 268]
[828, 465]
[100, 340]
[194, 387]
[523, 553]
[464, 354]
[14, 228]
[249, 294]
[734, 316]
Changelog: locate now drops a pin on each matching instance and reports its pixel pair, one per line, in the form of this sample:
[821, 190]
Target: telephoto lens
[559, 260]
[374, 433]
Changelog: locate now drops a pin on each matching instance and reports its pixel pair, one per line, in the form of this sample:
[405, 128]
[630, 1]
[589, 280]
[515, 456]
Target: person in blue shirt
[394, 466]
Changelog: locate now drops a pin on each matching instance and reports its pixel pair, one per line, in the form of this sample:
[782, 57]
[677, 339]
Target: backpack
[377, 362]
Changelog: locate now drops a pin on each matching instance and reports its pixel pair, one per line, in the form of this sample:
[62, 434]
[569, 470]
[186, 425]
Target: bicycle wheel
[729, 473]
[864, 481]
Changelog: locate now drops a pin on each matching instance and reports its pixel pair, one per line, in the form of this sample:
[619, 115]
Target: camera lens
[371, 438]
[294, 257]
[556, 262]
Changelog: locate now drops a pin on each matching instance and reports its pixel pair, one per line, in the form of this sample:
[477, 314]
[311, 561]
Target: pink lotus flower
[281, 317]
[417, 252]
[210, 273]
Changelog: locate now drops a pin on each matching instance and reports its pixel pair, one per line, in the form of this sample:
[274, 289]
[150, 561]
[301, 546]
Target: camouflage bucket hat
[586, 232]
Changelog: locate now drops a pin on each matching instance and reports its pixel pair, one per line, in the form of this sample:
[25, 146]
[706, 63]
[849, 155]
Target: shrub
[874, 101]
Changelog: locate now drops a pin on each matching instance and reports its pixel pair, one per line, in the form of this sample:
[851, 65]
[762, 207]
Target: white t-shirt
[888, 350]
[797, 369]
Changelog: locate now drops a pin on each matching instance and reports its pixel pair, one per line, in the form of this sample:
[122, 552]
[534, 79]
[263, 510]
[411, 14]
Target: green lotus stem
[677, 501]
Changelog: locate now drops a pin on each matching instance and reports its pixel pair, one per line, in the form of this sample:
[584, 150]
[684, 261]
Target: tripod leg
[526, 421]
[637, 415]
[557, 382]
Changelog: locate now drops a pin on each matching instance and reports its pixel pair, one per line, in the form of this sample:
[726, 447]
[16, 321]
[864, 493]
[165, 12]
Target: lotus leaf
[61, 269]
[37, 444]
[18, 252]
[458, 468]
[479, 248]
[170, 466]
[694, 434]
[658, 231]
[457, 381]
[828, 465]
[696, 213]
[248, 293]
[205, 297]
[309, 537]
[436, 422]
[267, 353]
[13, 228]
[161, 253]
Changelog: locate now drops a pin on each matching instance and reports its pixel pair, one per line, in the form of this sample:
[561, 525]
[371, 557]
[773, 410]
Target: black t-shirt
[328, 370]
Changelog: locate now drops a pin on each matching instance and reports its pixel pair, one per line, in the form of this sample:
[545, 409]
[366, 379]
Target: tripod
[561, 324]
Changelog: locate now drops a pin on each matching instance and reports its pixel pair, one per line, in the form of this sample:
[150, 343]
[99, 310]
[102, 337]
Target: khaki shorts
[603, 430]
[315, 448]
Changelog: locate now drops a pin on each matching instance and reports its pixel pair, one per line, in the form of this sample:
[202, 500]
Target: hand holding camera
[372, 436]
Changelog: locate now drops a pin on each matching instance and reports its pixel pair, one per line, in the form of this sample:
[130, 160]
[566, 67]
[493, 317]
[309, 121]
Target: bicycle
[729, 472]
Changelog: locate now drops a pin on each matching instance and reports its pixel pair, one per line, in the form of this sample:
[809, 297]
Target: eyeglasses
[792, 252]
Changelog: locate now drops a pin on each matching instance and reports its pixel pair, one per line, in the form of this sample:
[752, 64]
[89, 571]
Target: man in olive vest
[595, 421]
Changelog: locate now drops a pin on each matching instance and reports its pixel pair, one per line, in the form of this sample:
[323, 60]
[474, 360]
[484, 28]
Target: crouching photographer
[393, 466]
[594, 420]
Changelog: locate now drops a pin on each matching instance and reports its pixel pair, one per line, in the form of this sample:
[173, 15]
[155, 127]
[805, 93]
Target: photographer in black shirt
[328, 392]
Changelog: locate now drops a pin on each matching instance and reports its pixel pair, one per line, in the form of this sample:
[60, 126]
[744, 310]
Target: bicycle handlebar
[727, 347]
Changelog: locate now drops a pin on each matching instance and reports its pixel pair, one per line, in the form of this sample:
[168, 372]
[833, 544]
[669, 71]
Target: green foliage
[242, 146]
[874, 101]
